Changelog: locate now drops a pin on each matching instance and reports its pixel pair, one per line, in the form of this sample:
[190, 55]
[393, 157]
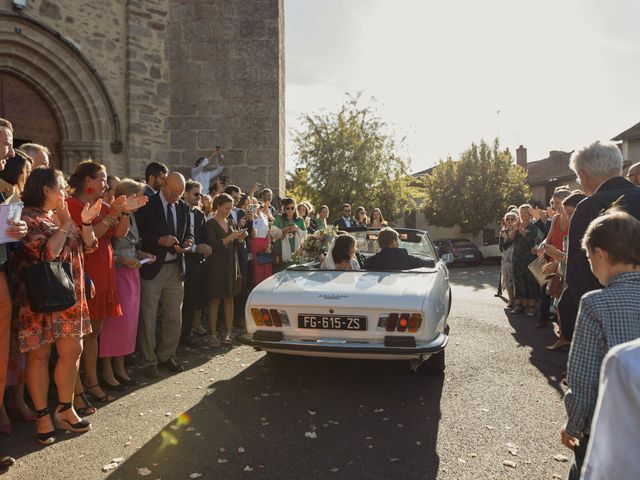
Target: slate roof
[629, 134]
[554, 167]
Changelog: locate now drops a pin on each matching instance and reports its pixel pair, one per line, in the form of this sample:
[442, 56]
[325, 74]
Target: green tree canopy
[347, 157]
[475, 190]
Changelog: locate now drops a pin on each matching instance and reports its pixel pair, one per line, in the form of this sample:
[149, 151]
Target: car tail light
[266, 318]
[392, 321]
[396, 322]
[257, 317]
[275, 316]
[414, 322]
[270, 317]
[403, 323]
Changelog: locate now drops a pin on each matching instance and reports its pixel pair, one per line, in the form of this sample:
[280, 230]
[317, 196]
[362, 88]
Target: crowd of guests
[578, 263]
[148, 263]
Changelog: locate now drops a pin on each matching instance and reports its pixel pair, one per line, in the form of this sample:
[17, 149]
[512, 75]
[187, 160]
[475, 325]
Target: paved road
[246, 416]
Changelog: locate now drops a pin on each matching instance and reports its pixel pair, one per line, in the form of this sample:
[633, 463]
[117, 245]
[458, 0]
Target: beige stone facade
[134, 81]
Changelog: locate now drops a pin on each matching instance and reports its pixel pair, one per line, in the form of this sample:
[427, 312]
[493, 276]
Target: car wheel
[434, 365]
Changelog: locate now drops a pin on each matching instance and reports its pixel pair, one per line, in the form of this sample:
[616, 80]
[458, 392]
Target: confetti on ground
[144, 471]
[109, 467]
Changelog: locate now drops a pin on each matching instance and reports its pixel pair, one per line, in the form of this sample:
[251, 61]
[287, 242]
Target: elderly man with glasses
[633, 175]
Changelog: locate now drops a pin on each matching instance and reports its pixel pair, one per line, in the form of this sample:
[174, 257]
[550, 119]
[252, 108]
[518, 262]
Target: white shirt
[614, 444]
[347, 222]
[204, 177]
[170, 256]
[260, 224]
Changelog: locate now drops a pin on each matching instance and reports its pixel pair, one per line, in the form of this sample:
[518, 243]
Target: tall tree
[475, 190]
[349, 157]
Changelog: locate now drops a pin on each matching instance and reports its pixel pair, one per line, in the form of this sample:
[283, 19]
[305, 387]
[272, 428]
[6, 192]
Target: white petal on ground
[118, 460]
[334, 470]
[195, 475]
[143, 471]
[311, 434]
[222, 460]
[109, 467]
[513, 451]
[394, 459]
[378, 410]
[241, 450]
[222, 449]
[311, 412]
[248, 469]
[560, 458]
[490, 427]
[509, 463]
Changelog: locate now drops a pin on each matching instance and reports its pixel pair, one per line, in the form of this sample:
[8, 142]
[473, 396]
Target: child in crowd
[606, 318]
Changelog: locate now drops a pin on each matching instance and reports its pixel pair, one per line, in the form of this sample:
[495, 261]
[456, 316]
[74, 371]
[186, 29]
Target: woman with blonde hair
[118, 337]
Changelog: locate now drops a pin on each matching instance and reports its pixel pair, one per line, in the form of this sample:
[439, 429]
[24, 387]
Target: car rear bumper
[337, 347]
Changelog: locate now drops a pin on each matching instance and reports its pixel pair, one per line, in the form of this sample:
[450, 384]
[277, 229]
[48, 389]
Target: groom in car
[391, 256]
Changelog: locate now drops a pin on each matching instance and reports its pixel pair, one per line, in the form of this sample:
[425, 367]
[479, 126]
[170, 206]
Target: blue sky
[562, 73]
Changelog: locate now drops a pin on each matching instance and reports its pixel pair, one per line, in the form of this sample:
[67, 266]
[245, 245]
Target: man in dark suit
[165, 232]
[345, 221]
[391, 256]
[599, 170]
[194, 263]
[155, 175]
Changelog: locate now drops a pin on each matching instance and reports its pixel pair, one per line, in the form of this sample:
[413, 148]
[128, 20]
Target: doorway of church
[32, 118]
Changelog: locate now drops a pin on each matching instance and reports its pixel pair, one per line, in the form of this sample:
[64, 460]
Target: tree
[475, 190]
[348, 157]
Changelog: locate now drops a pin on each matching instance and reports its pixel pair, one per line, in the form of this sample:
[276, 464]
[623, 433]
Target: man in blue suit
[391, 256]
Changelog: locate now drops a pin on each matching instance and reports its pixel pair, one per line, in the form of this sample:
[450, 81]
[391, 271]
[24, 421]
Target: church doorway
[32, 118]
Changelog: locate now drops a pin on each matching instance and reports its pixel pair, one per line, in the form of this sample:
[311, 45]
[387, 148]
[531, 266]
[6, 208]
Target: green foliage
[475, 190]
[348, 158]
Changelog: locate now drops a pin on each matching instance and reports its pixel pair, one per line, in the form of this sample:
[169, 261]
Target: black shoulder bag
[49, 285]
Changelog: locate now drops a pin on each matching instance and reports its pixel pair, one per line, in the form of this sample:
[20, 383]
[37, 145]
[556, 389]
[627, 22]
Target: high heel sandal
[62, 424]
[45, 438]
[106, 398]
[87, 409]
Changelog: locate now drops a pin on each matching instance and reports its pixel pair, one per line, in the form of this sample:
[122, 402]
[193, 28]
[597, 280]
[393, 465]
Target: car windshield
[416, 242]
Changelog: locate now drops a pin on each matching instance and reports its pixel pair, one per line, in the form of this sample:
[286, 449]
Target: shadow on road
[297, 417]
[550, 364]
[480, 277]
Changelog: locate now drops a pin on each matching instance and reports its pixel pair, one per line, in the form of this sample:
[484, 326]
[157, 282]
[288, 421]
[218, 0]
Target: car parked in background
[462, 249]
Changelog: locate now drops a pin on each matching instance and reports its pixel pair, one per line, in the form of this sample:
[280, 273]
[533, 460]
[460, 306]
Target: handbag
[535, 268]
[554, 287]
[49, 285]
[264, 258]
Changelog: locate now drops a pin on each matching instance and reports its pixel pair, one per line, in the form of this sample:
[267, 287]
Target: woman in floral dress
[53, 234]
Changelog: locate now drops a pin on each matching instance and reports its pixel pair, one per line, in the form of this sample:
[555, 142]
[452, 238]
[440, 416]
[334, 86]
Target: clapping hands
[89, 212]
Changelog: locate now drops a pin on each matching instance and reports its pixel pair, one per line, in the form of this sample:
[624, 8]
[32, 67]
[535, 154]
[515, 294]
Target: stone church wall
[183, 77]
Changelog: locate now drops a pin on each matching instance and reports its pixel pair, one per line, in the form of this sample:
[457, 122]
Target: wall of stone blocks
[184, 76]
[226, 78]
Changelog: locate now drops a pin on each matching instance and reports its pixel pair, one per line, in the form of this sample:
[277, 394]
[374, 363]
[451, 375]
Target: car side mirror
[447, 258]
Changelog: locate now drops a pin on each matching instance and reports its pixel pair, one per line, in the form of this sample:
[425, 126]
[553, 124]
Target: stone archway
[64, 78]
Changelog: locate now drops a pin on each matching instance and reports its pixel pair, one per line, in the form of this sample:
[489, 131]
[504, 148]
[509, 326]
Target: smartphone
[252, 208]
[145, 260]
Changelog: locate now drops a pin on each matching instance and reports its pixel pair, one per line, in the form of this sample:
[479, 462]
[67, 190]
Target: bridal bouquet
[315, 245]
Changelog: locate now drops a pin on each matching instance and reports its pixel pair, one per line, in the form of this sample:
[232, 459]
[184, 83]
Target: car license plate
[332, 322]
[469, 256]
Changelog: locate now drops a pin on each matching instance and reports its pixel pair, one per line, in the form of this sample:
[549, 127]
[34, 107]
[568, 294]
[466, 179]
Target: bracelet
[87, 224]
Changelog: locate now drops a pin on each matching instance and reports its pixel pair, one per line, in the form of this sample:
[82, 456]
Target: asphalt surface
[238, 414]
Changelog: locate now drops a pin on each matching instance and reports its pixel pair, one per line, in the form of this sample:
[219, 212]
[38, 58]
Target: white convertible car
[394, 315]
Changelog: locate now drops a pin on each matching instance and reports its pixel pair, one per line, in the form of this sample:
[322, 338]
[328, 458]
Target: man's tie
[171, 224]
